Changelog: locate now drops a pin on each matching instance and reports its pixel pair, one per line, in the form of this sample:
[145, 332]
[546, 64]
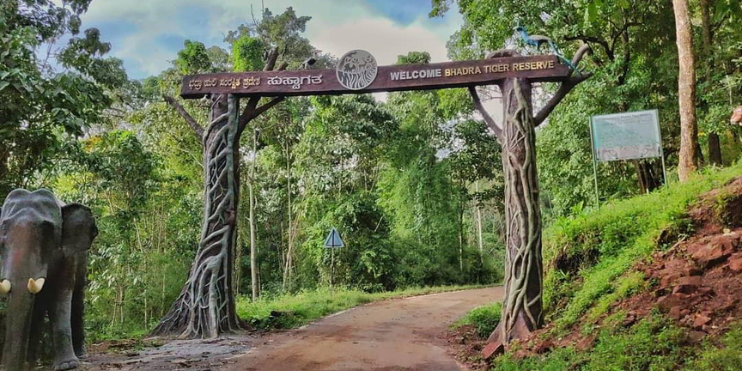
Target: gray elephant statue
[44, 250]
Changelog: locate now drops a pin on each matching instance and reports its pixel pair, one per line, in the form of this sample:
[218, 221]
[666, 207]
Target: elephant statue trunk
[21, 308]
[43, 249]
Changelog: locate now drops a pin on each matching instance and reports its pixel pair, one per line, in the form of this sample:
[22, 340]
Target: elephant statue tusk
[35, 286]
[4, 287]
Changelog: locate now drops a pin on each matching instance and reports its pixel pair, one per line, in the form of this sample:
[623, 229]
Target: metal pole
[595, 165]
[332, 265]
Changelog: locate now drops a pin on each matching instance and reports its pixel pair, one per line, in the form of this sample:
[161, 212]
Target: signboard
[626, 136]
[333, 240]
[357, 72]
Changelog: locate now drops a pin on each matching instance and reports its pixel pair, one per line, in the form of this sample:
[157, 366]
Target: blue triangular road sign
[333, 240]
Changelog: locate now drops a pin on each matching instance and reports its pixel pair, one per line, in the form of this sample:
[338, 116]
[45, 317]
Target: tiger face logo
[356, 69]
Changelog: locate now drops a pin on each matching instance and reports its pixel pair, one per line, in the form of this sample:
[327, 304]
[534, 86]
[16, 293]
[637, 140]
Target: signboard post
[332, 242]
[625, 136]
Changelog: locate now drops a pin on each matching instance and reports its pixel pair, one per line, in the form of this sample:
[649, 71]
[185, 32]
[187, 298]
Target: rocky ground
[196, 355]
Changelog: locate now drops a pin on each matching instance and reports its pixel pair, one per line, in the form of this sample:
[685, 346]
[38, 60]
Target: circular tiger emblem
[356, 69]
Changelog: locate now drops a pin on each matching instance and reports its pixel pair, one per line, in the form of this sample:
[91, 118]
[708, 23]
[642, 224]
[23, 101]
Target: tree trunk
[461, 229]
[290, 250]
[522, 310]
[714, 149]
[714, 144]
[206, 307]
[478, 212]
[522, 307]
[253, 244]
[688, 162]
[646, 172]
[640, 177]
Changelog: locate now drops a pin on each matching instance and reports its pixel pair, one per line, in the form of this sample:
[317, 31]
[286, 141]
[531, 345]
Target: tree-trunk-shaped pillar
[523, 283]
[522, 310]
[206, 306]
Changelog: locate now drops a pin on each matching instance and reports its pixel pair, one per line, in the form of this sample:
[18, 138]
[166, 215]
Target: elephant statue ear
[78, 227]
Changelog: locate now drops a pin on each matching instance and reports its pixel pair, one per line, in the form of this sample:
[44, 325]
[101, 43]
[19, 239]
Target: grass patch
[289, 311]
[625, 286]
[727, 357]
[484, 319]
[652, 344]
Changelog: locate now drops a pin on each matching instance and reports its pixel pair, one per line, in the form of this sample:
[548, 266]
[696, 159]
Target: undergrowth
[652, 344]
[726, 357]
[294, 310]
[484, 319]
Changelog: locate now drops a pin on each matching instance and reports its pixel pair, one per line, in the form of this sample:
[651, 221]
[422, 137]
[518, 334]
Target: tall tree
[281, 128]
[714, 145]
[688, 156]
[206, 306]
[48, 97]
[522, 310]
[246, 56]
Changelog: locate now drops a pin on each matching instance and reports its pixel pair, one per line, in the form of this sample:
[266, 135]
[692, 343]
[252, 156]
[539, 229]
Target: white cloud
[337, 26]
[379, 36]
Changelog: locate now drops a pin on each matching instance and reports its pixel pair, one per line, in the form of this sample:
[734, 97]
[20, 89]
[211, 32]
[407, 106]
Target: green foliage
[413, 184]
[630, 73]
[484, 319]
[117, 176]
[284, 31]
[726, 357]
[48, 99]
[414, 57]
[193, 58]
[294, 310]
[247, 54]
[625, 286]
[652, 344]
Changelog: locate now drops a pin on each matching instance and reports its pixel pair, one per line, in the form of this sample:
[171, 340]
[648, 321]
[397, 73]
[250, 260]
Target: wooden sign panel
[357, 73]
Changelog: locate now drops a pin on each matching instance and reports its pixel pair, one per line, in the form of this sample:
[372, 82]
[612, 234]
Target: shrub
[484, 319]
[652, 344]
[727, 357]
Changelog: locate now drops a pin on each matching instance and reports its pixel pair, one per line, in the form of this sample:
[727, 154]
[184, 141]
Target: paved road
[393, 335]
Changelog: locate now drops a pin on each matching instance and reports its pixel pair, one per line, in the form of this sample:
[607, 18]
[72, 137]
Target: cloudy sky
[147, 34]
